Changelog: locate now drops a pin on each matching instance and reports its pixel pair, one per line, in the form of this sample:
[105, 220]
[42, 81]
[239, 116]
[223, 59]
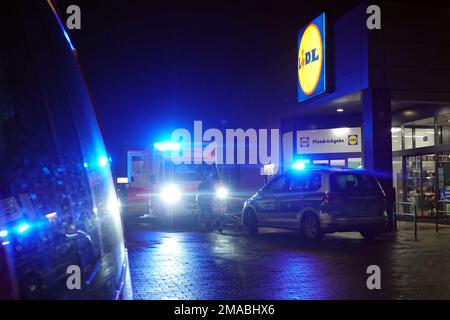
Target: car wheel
[251, 223]
[310, 228]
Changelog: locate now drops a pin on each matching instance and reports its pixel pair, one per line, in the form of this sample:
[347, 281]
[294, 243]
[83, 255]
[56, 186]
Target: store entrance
[421, 182]
[444, 176]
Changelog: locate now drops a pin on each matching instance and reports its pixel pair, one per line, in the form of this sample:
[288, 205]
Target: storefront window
[419, 134]
[397, 178]
[428, 183]
[354, 162]
[396, 133]
[444, 128]
[444, 176]
[424, 138]
[424, 133]
[413, 180]
[420, 182]
[338, 163]
[408, 134]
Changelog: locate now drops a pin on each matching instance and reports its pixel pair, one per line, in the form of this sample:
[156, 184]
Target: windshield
[192, 172]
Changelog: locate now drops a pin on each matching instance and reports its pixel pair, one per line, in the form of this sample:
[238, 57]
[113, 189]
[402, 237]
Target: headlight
[222, 193]
[170, 194]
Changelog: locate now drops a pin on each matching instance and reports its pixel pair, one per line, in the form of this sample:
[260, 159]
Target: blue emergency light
[167, 146]
[20, 229]
[298, 165]
[103, 161]
[23, 228]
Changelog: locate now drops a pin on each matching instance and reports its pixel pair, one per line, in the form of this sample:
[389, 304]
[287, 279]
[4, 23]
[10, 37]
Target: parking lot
[186, 264]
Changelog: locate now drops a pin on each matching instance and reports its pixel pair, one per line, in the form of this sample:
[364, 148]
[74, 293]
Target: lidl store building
[378, 98]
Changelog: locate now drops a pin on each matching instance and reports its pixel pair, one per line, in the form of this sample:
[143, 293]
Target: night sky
[154, 66]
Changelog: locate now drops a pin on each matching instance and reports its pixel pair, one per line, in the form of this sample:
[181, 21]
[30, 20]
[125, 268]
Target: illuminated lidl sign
[335, 140]
[312, 59]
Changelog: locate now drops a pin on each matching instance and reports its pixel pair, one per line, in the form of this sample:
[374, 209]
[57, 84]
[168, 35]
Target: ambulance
[159, 187]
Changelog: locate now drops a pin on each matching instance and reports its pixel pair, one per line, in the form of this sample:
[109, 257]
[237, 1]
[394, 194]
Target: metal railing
[440, 212]
[409, 214]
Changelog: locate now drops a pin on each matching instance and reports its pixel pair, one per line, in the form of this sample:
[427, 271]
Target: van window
[305, 182]
[348, 182]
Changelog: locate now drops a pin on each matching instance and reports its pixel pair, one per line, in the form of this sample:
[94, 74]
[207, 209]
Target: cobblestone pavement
[278, 265]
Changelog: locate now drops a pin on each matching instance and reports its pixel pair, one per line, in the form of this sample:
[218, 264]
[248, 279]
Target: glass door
[397, 178]
[413, 181]
[421, 182]
[443, 177]
[428, 184]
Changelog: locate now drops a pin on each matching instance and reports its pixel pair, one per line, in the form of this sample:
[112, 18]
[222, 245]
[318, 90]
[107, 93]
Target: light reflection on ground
[277, 265]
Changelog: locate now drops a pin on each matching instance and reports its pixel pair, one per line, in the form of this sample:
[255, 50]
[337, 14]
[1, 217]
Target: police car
[317, 200]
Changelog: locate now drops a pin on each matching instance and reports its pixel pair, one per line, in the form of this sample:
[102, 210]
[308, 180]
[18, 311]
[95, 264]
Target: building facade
[387, 103]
